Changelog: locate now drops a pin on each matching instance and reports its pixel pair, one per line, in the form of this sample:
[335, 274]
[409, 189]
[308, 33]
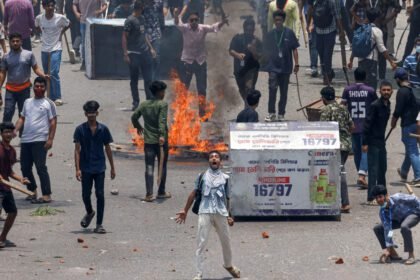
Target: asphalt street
[144, 242]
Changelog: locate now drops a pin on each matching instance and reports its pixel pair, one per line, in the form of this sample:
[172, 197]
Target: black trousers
[414, 32]
[35, 153]
[87, 183]
[151, 151]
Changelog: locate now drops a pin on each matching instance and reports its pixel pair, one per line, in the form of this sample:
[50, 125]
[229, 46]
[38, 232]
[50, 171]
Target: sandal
[31, 197]
[345, 209]
[99, 229]
[410, 261]
[234, 271]
[40, 201]
[9, 243]
[372, 203]
[148, 198]
[85, 222]
[164, 195]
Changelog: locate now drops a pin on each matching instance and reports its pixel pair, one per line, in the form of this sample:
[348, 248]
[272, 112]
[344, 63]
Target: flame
[185, 128]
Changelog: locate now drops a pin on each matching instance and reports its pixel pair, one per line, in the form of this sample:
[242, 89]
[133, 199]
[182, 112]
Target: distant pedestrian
[249, 114]
[39, 122]
[398, 211]
[52, 27]
[214, 211]
[414, 21]
[292, 19]
[412, 66]
[90, 139]
[334, 112]
[7, 201]
[17, 64]
[155, 131]
[358, 97]
[374, 139]
[281, 49]
[138, 53]
[84, 9]
[194, 53]
[19, 18]
[407, 110]
[246, 50]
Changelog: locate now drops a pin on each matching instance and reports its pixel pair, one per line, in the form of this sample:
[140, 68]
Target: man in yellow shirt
[291, 9]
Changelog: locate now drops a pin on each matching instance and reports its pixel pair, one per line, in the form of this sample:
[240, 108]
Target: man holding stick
[7, 201]
[155, 131]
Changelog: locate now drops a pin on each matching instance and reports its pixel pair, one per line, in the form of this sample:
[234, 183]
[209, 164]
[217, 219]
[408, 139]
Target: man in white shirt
[370, 63]
[52, 26]
[39, 122]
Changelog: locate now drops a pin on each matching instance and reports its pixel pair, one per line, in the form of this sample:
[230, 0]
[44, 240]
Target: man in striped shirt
[411, 63]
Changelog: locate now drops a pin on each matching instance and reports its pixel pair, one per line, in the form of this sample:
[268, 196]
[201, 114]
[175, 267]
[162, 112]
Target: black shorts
[7, 201]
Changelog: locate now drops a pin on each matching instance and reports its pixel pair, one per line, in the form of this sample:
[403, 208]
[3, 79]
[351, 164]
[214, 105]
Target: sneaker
[280, 118]
[148, 198]
[58, 102]
[271, 118]
[198, 277]
[403, 179]
[37, 40]
[415, 182]
[99, 229]
[314, 73]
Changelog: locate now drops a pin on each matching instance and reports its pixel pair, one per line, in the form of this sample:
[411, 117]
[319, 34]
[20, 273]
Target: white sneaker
[58, 102]
[198, 277]
[271, 118]
[281, 118]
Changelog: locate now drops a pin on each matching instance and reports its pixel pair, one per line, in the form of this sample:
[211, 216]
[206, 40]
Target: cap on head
[328, 93]
[379, 190]
[401, 74]
[91, 106]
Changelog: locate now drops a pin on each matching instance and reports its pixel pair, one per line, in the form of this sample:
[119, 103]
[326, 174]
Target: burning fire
[185, 128]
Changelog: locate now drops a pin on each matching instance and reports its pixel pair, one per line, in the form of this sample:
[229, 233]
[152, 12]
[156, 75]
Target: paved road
[144, 242]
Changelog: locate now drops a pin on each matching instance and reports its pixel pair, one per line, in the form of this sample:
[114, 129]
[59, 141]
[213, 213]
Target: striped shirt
[410, 64]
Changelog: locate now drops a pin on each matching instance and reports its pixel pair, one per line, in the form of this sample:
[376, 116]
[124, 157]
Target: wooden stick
[409, 189]
[49, 74]
[16, 187]
[71, 52]
[309, 105]
[305, 33]
[414, 135]
[160, 170]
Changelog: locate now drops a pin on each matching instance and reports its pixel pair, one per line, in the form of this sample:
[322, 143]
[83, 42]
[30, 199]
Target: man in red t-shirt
[7, 201]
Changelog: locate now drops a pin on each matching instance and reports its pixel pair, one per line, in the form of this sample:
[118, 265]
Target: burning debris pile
[185, 126]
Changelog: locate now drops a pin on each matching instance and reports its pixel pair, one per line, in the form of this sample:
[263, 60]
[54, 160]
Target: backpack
[361, 43]
[198, 194]
[322, 14]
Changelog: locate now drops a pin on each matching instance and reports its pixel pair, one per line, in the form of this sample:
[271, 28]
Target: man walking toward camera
[214, 210]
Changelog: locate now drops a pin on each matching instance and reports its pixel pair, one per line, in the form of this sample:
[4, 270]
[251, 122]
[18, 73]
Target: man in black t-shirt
[414, 19]
[249, 114]
[246, 49]
[138, 52]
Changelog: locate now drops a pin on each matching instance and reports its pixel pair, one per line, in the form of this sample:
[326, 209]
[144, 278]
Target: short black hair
[138, 4]
[372, 14]
[91, 106]
[6, 125]
[249, 22]
[46, 2]
[15, 35]
[40, 80]
[279, 13]
[195, 13]
[157, 86]
[379, 190]
[214, 152]
[385, 83]
[328, 93]
[359, 74]
[253, 97]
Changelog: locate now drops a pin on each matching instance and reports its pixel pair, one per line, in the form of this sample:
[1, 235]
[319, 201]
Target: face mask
[39, 92]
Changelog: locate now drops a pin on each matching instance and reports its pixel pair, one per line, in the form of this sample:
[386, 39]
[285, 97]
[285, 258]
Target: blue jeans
[313, 52]
[411, 152]
[10, 101]
[156, 61]
[82, 44]
[87, 184]
[55, 88]
[360, 158]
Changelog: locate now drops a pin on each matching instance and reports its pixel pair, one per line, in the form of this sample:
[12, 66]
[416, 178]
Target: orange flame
[185, 127]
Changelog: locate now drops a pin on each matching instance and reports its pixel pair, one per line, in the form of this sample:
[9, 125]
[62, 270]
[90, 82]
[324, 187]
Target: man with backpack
[326, 16]
[406, 108]
[211, 195]
[367, 44]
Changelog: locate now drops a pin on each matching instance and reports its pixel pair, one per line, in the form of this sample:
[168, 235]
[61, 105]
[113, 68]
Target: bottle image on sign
[312, 188]
[322, 186]
[331, 193]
